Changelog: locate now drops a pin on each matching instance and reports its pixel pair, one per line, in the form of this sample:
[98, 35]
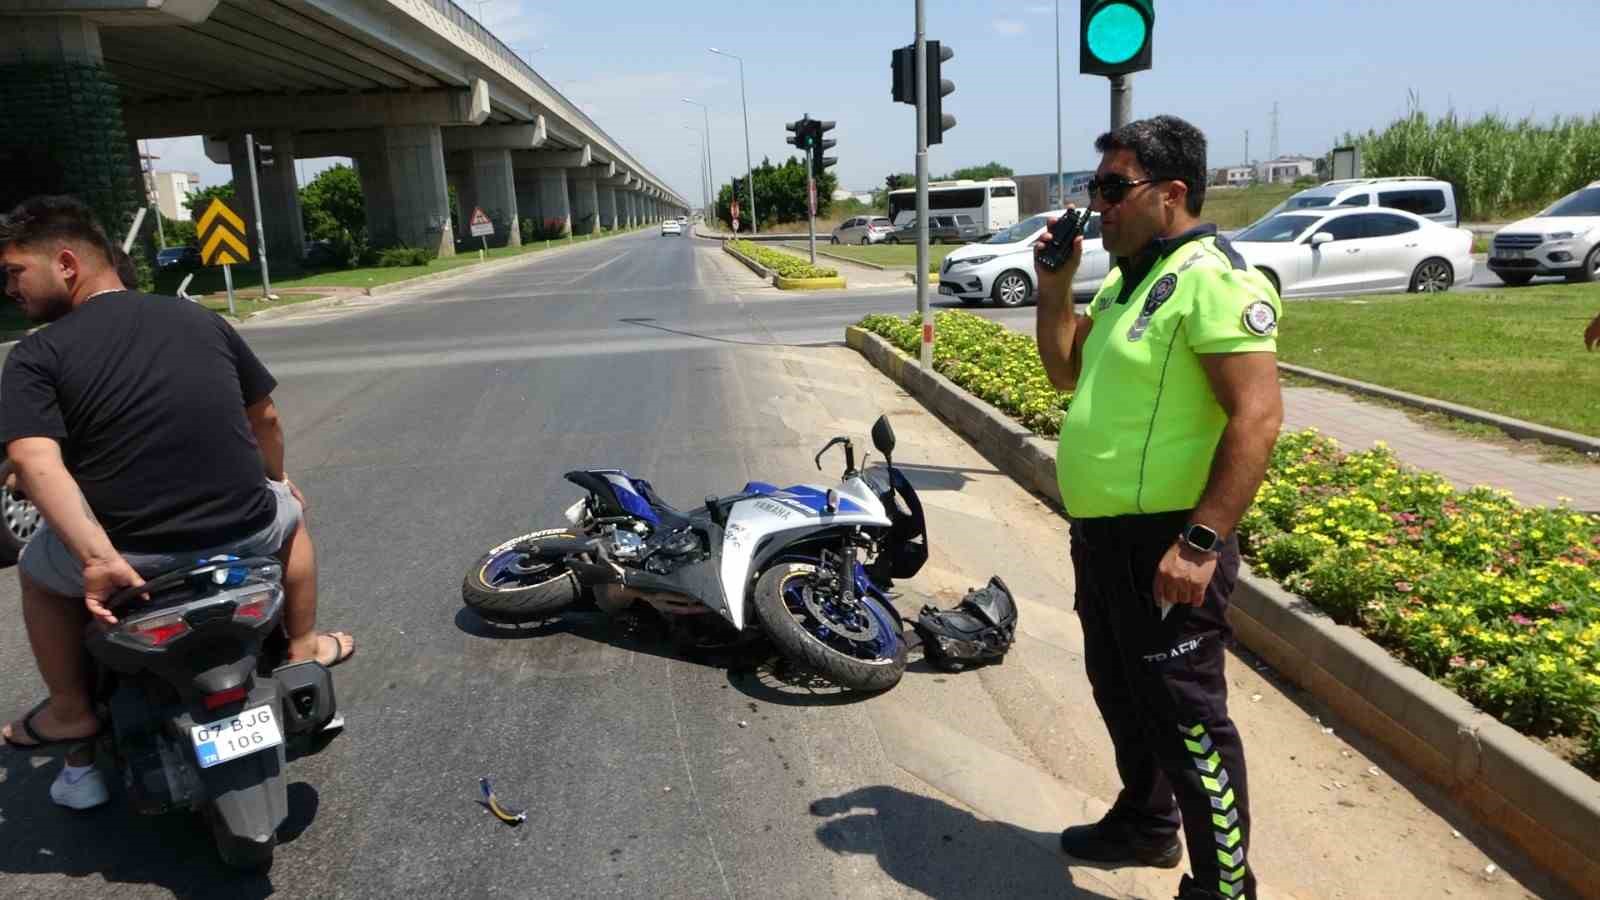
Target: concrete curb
[1514, 427]
[279, 312]
[808, 284]
[1546, 807]
[912, 277]
[764, 273]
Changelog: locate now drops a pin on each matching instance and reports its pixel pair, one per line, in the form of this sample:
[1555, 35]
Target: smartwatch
[1201, 538]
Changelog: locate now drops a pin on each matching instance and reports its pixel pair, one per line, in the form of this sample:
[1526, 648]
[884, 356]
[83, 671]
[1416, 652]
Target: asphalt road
[434, 424]
[425, 432]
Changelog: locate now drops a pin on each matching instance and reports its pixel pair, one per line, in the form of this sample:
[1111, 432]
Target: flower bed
[996, 364]
[786, 264]
[1499, 602]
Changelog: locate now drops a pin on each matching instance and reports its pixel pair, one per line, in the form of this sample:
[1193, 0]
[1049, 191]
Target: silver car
[862, 230]
[1001, 268]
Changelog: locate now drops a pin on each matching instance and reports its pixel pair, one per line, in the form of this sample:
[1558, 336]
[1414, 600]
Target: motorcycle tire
[801, 646]
[540, 598]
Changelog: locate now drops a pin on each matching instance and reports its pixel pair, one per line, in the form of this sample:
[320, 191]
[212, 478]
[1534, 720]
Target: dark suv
[956, 229]
[181, 258]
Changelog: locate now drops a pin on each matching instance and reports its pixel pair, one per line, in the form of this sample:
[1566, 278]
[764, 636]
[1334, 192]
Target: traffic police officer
[1175, 411]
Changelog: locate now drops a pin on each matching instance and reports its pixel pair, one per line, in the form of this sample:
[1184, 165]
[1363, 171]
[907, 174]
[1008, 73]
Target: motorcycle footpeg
[307, 699]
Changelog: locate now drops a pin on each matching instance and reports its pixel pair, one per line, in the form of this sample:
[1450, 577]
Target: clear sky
[1330, 67]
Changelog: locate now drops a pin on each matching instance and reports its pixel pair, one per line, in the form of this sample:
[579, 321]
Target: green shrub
[785, 264]
[403, 256]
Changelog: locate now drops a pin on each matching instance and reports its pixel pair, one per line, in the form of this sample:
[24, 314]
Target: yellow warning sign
[222, 237]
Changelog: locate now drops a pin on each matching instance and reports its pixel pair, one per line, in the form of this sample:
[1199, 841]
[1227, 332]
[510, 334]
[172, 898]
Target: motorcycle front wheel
[507, 585]
[858, 646]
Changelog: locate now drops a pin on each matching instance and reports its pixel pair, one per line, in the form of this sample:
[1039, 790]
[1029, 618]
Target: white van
[1429, 198]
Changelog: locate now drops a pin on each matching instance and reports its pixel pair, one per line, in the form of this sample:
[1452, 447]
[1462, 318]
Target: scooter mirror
[883, 436]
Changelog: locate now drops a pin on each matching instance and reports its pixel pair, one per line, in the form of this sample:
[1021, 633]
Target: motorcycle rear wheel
[795, 629]
[498, 593]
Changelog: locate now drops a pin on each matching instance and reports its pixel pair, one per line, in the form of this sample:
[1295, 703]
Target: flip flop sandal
[339, 655]
[42, 743]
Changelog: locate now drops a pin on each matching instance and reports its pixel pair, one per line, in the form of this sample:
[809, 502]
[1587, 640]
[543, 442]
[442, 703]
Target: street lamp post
[706, 112]
[1061, 187]
[749, 174]
[705, 180]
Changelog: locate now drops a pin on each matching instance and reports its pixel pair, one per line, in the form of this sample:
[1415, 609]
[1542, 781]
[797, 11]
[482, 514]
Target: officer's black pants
[1160, 686]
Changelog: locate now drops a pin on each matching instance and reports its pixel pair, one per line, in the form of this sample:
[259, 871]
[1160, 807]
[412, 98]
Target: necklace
[98, 293]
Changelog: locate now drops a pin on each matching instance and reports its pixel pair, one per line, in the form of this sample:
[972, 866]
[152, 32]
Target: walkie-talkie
[1058, 246]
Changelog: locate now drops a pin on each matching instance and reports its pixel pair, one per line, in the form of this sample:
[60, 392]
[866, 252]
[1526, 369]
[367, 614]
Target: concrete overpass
[416, 92]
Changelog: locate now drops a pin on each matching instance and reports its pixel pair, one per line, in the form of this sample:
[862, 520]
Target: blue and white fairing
[774, 512]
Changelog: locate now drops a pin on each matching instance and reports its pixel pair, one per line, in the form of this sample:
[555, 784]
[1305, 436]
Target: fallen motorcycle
[815, 563]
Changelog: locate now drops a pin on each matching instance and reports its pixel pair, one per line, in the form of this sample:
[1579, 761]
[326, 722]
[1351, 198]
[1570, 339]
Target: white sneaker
[86, 792]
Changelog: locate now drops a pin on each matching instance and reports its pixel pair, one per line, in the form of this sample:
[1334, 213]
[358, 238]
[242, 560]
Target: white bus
[992, 204]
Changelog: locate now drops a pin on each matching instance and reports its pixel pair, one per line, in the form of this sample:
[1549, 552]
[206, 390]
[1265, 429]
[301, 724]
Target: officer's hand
[1183, 575]
[1591, 335]
[1055, 287]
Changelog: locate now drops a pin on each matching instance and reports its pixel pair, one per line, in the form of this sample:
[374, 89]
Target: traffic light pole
[811, 207]
[926, 355]
[1121, 101]
[255, 197]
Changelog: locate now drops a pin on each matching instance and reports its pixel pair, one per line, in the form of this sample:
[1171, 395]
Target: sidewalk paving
[1358, 424]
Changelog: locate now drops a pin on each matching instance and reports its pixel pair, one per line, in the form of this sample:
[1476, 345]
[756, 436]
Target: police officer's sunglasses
[1115, 189]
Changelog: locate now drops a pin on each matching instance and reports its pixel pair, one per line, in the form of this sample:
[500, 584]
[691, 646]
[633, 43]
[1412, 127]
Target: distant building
[171, 192]
[1037, 193]
[1232, 176]
[1285, 169]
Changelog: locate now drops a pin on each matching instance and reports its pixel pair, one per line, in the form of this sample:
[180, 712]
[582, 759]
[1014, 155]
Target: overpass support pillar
[490, 185]
[408, 202]
[280, 197]
[554, 205]
[606, 195]
[62, 111]
[585, 201]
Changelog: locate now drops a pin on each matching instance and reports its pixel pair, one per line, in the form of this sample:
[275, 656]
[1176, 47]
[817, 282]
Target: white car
[1001, 268]
[1319, 252]
[1563, 239]
[671, 226]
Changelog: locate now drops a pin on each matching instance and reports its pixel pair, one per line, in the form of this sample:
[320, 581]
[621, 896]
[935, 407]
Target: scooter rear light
[157, 630]
[223, 698]
[260, 604]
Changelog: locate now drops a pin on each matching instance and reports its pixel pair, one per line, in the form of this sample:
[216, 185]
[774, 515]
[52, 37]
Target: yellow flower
[1536, 534]
[1545, 668]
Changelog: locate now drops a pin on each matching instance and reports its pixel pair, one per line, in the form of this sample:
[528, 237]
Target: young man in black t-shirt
[143, 429]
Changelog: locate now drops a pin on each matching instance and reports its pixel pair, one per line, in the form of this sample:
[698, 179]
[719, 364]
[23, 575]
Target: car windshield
[1018, 232]
[1580, 203]
[171, 253]
[1278, 229]
[876, 223]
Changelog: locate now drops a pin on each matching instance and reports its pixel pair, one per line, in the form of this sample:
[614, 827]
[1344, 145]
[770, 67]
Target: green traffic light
[1116, 32]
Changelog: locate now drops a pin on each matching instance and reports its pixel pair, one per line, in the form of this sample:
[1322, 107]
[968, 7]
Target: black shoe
[1189, 889]
[1115, 844]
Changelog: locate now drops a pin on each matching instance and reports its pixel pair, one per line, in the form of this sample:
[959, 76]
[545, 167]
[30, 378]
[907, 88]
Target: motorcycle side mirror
[883, 436]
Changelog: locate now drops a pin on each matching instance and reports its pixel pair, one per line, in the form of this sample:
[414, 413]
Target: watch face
[1201, 537]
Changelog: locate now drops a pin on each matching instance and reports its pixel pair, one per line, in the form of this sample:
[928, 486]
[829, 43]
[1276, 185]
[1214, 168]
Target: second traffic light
[821, 145]
[939, 121]
[903, 65]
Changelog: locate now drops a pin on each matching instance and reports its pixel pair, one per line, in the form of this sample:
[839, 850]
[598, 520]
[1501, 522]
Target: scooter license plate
[226, 739]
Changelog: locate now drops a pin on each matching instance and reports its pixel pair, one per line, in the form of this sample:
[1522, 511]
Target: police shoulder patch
[1260, 318]
[1164, 288]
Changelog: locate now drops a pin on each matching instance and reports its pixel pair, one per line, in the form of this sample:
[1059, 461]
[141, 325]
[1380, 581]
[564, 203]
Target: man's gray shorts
[48, 563]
